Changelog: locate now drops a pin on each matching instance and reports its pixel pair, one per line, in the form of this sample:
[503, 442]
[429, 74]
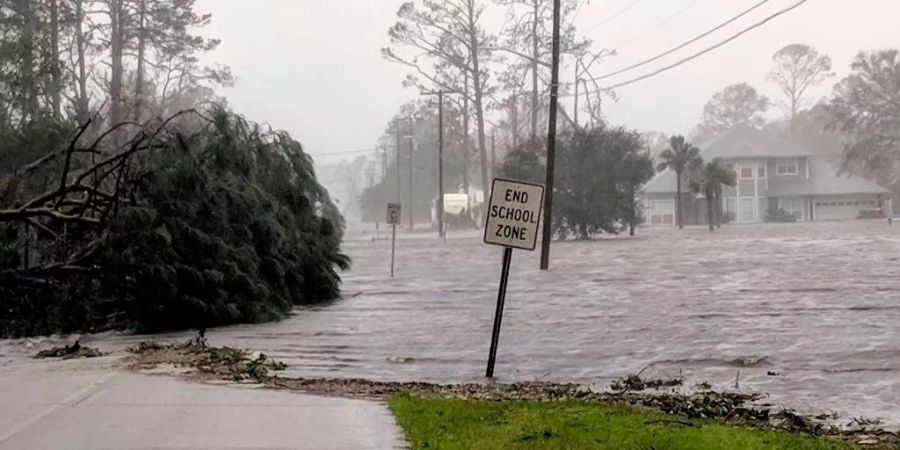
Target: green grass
[460, 424]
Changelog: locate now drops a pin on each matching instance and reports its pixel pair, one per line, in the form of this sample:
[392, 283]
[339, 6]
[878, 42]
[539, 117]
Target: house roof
[745, 141]
[740, 142]
[662, 183]
[826, 181]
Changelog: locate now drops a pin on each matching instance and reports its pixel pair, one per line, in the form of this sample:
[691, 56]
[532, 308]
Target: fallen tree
[200, 219]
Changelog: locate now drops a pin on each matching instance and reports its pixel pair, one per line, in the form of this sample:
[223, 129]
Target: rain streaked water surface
[808, 313]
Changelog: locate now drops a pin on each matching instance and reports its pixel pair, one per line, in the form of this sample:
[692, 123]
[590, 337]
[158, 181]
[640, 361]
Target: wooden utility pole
[493, 151]
[412, 138]
[440, 200]
[577, 79]
[551, 143]
[397, 130]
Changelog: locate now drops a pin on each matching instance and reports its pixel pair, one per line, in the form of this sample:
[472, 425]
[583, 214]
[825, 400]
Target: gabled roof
[745, 141]
[662, 183]
[824, 180]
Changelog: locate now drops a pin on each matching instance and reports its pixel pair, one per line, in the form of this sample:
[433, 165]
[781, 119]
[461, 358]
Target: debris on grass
[73, 351]
[222, 362]
[634, 383]
[737, 408]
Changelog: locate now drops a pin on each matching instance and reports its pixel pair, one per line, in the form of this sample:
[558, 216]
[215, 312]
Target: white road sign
[514, 214]
[393, 213]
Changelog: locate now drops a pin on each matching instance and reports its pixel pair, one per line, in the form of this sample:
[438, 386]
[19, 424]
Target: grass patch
[464, 424]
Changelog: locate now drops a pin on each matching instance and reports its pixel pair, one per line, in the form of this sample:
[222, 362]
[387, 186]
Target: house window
[761, 173]
[792, 206]
[787, 167]
[746, 173]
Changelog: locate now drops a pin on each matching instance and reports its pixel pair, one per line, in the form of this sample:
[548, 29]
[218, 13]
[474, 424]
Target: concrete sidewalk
[88, 404]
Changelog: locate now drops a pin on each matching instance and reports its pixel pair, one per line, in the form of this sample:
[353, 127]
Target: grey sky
[314, 67]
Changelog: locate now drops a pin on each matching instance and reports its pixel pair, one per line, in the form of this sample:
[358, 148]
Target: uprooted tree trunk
[72, 220]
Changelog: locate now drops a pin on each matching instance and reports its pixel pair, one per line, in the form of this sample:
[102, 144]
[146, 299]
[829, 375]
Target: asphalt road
[88, 404]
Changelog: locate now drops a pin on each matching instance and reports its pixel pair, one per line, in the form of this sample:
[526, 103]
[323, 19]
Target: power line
[578, 10]
[614, 16]
[346, 152]
[707, 50]
[662, 22]
[675, 49]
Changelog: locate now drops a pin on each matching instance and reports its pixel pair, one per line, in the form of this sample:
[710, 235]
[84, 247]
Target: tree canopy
[798, 67]
[737, 104]
[599, 172]
[202, 220]
[866, 108]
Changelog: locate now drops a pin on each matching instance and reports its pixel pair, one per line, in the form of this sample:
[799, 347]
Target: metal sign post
[513, 218]
[498, 315]
[393, 218]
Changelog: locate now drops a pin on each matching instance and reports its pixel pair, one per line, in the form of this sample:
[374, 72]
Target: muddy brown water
[808, 313]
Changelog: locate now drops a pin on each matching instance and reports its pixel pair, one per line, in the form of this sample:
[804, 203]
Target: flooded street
[808, 313]
[816, 304]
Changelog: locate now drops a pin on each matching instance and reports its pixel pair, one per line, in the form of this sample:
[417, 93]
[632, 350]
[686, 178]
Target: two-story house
[772, 175]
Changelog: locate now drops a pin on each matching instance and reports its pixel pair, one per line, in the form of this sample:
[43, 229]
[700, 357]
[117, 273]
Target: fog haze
[335, 93]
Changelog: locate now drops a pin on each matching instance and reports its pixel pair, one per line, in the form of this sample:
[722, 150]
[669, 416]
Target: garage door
[661, 212]
[842, 208]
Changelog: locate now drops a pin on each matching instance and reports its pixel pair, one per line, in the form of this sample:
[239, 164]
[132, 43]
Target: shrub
[780, 216]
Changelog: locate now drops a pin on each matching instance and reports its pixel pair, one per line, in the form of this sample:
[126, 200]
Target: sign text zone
[514, 214]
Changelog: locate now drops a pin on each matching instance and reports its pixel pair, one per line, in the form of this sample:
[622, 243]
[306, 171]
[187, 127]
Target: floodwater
[807, 313]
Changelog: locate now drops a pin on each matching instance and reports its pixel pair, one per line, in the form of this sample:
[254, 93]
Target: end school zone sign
[514, 214]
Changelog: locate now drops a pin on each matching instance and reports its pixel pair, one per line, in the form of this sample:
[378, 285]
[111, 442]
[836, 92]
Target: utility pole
[493, 151]
[440, 200]
[551, 142]
[577, 79]
[412, 138]
[397, 130]
[514, 123]
[384, 185]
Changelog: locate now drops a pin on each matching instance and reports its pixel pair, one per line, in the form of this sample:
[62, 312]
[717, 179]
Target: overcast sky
[314, 67]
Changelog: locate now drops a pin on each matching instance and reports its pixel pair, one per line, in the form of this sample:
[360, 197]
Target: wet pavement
[90, 404]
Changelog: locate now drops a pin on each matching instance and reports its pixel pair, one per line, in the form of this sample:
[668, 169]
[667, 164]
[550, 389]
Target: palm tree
[708, 179]
[680, 157]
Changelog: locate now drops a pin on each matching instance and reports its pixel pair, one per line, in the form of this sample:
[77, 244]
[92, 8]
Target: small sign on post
[393, 218]
[513, 220]
[393, 213]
